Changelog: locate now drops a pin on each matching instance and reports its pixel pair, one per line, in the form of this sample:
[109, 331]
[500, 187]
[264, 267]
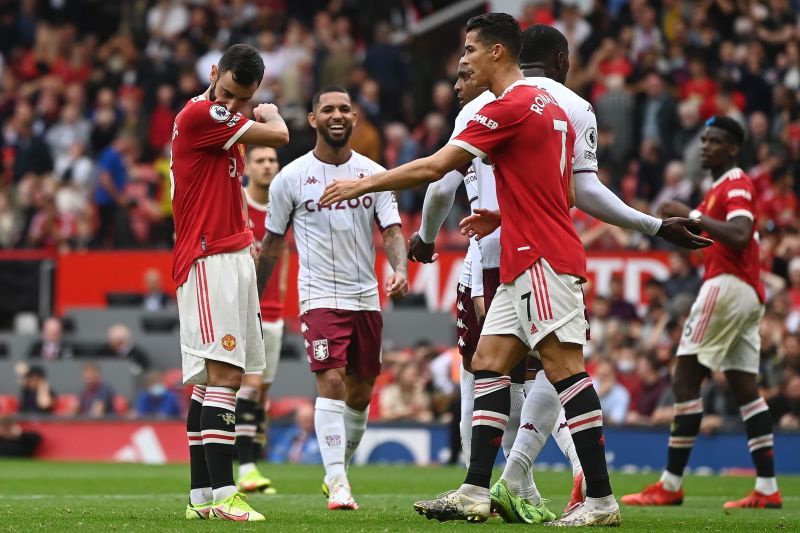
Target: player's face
[466, 89]
[715, 150]
[225, 91]
[479, 58]
[333, 118]
[262, 165]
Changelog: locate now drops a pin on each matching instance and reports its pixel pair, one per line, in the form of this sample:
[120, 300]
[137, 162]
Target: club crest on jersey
[228, 342]
[591, 138]
[219, 113]
[320, 349]
[361, 173]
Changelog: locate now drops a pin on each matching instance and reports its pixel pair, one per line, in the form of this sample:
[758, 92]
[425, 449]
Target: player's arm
[271, 249]
[735, 232]
[477, 281]
[394, 247]
[283, 283]
[269, 129]
[439, 199]
[419, 172]
[595, 199]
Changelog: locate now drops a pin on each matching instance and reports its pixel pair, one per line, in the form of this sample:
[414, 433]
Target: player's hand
[673, 208]
[480, 223]
[676, 231]
[341, 190]
[254, 252]
[421, 251]
[397, 285]
[265, 112]
[480, 308]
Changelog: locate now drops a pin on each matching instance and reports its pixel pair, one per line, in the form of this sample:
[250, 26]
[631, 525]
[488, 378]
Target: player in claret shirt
[539, 305]
[339, 302]
[722, 331]
[214, 272]
[261, 166]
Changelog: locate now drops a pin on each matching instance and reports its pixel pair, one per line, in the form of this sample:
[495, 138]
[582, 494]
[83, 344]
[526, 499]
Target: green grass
[36, 496]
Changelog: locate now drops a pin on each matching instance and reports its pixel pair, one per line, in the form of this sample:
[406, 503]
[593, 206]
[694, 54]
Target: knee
[684, 390]
[482, 361]
[330, 384]
[225, 376]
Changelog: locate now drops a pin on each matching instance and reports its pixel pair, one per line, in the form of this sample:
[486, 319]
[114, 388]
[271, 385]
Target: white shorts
[273, 338]
[539, 302]
[219, 310]
[723, 326]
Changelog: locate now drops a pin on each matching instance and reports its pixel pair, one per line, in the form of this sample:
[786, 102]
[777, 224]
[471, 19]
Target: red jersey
[206, 175]
[733, 195]
[271, 302]
[529, 140]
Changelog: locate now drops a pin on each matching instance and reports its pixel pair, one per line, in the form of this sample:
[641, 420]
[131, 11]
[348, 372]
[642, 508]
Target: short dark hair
[540, 43]
[244, 62]
[252, 148]
[732, 128]
[498, 28]
[36, 371]
[326, 90]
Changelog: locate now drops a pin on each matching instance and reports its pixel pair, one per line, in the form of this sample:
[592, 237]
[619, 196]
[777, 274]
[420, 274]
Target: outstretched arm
[418, 172]
[438, 202]
[595, 199]
[271, 248]
[395, 248]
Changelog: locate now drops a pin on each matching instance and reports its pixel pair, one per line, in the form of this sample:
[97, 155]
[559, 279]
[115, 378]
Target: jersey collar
[523, 81]
[735, 171]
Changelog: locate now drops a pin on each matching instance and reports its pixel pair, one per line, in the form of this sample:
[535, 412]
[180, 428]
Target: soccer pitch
[37, 496]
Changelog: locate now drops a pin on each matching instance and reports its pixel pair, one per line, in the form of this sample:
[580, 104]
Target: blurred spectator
[96, 400]
[653, 384]
[52, 345]
[778, 206]
[614, 398]
[676, 186]
[36, 396]
[385, 64]
[122, 345]
[155, 299]
[619, 307]
[405, 400]
[113, 170]
[15, 442]
[720, 408]
[70, 130]
[683, 277]
[785, 407]
[298, 445]
[156, 400]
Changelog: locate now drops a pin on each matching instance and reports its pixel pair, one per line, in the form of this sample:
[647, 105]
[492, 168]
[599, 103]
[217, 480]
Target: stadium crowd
[87, 105]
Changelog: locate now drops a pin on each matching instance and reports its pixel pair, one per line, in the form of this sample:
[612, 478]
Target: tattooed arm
[395, 248]
[271, 249]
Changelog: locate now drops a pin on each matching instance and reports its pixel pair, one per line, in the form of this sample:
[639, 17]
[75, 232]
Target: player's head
[720, 142]
[332, 115]
[235, 79]
[546, 48]
[493, 39]
[261, 165]
[466, 87]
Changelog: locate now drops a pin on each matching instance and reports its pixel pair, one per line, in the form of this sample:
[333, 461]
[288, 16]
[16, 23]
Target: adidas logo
[143, 447]
[533, 329]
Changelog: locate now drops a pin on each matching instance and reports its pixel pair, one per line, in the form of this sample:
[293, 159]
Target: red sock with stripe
[760, 442]
[218, 423]
[489, 418]
[200, 483]
[585, 420]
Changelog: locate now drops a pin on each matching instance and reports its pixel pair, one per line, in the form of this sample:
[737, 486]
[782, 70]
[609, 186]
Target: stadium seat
[286, 406]
[8, 404]
[66, 405]
[120, 405]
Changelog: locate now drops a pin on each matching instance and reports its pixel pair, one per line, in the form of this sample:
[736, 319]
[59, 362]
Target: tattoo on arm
[271, 249]
[395, 248]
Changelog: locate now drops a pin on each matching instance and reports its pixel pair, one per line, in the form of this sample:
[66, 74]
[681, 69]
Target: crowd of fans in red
[87, 104]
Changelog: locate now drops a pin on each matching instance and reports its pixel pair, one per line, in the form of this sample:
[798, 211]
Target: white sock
[606, 503]
[510, 434]
[474, 491]
[467, 401]
[246, 468]
[223, 492]
[564, 440]
[355, 424]
[767, 485]
[201, 496]
[671, 482]
[538, 416]
[331, 435]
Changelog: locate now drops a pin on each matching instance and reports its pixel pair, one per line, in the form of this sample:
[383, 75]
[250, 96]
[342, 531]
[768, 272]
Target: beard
[337, 143]
[212, 96]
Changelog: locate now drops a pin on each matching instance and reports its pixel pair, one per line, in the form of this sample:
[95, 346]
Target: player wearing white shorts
[722, 331]
[261, 166]
[339, 301]
[529, 139]
[213, 268]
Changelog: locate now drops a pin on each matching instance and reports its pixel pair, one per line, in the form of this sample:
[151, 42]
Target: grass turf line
[38, 496]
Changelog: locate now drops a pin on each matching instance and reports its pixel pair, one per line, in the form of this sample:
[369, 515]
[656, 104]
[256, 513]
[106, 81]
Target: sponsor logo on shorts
[534, 330]
[229, 342]
[321, 350]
